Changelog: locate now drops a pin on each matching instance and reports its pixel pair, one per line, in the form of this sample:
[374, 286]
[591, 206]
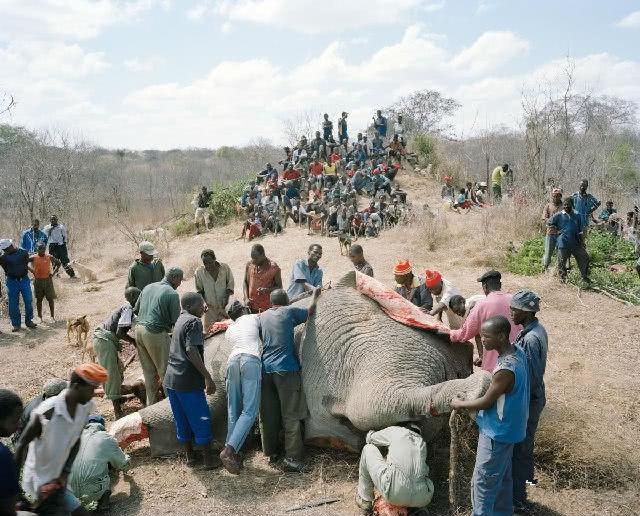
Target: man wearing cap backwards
[496, 302]
[551, 238]
[51, 388]
[147, 269]
[410, 286]
[99, 452]
[533, 340]
[107, 342]
[158, 309]
[442, 291]
[50, 454]
[15, 262]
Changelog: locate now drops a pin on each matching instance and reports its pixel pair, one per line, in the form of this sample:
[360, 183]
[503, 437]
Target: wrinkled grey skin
[361, 371]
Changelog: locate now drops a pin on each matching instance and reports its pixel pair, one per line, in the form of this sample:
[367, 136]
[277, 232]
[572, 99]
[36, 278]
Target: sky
[164, 74]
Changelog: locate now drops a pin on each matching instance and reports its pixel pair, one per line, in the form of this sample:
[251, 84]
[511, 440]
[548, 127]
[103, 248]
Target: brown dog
[344, 240]
[80, 326]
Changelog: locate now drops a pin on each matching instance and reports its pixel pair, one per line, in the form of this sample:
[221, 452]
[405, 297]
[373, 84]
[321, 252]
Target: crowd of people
[63, 453]
[321, 183]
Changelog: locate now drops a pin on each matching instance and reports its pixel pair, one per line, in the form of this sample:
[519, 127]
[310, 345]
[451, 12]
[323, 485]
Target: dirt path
[589, 431]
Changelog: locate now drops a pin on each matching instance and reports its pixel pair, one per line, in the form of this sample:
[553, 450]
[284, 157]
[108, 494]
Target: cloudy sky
[203, 73]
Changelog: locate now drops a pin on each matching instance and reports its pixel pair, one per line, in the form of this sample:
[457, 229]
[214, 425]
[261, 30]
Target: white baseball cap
[5, 243]
[147, 247]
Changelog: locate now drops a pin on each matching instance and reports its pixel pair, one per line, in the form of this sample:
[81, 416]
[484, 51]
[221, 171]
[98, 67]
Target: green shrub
[604, 251]
[223, 201]
[183, 226]
[425, 147]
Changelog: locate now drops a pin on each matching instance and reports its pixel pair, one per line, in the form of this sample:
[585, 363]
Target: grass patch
[605, 250]
[183, 226]
[224, 200]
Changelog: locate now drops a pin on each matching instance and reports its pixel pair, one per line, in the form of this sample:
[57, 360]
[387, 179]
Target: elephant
[361, 371]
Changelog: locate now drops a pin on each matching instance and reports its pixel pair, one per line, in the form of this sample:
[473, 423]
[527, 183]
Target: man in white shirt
[57, 238]
[442, 291]
[51, 441]
[244, 378]
[398, 128]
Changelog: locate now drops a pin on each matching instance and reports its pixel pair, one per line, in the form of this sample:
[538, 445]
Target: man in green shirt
[496, 181]
[148, 269]
[158, 309]
[89, 478]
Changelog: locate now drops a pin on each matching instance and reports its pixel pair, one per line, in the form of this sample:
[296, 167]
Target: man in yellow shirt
[330, 174]
[496, 181]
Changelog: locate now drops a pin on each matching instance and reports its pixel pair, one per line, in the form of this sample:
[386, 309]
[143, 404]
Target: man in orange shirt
[41, 268]
[262, 276]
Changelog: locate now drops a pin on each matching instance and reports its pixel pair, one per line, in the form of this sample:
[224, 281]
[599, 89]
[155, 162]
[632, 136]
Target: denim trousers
[549, 248]
[491, 484]
[244, 377]
[522, 463]
[16, 287]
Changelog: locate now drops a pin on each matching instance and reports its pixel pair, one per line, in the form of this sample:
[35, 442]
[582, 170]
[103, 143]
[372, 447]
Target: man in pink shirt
[496, 302]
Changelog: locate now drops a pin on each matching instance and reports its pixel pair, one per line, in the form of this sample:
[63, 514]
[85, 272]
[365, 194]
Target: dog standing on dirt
[80, 326]
[344, 240]
[86, 274]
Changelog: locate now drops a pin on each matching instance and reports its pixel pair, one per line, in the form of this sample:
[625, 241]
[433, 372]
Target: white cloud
[490, 50]
[142, 65]
[484, 6]
[632, 20]
[199, 11]
[328, 15]
[78, 19]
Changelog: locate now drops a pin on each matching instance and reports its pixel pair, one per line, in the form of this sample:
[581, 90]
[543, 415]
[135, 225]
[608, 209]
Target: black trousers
[579, 252]
[59, 251]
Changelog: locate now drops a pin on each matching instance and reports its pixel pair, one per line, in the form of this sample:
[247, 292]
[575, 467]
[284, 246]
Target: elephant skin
[361, 371]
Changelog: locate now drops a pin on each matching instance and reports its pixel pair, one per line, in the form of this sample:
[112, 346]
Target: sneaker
[31, 325]
[365, 505]
[294, 466]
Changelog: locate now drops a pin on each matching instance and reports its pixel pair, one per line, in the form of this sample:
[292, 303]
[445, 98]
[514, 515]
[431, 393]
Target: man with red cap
[410, 286]
[496, 302]
[442, 290]
[50, 454]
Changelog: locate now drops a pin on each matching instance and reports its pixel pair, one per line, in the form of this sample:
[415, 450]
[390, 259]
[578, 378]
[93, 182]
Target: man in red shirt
[316, 168]
[291, 174]
[261, 277]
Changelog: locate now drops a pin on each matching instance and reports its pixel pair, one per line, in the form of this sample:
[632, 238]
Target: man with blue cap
[533, 340]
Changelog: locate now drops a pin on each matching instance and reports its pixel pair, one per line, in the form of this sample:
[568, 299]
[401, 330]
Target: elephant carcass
[361, 370]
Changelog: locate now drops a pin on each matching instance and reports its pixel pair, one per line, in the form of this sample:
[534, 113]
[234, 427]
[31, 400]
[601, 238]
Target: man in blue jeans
[15, 262]
[502, 421]
[244, 377]
[534, 342]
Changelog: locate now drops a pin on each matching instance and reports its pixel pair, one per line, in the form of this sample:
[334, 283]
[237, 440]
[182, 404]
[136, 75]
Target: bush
[183, 226]
[425, 147]
[604, 251]
[224, 200]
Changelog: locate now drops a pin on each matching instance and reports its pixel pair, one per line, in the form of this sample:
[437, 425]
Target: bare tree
[303, 123]
[425, 111]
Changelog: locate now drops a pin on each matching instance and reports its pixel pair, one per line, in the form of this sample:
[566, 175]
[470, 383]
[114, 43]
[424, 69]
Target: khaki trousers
[153, 351]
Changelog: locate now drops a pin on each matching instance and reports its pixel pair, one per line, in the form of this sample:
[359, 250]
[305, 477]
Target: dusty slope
[589, 431]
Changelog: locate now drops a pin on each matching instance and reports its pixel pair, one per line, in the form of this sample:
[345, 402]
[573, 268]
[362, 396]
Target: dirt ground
[587, 455]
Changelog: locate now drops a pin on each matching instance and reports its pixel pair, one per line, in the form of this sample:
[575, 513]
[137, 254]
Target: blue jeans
[549, 248]
[523, 455]
[244, 378]
[191, 415]
[491, 484]
[15, 287]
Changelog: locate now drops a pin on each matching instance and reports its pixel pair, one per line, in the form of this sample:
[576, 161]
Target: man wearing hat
[147, 269]
[410, 286]
[98, 454]
[442, 291]
[15, 262]
[551, 238]
[50, 454]
[534, 341]
[496, 302]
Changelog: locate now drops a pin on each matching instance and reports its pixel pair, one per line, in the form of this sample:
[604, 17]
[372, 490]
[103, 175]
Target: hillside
[589, 432]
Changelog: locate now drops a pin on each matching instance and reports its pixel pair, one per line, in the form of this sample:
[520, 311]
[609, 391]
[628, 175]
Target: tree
[425, 111]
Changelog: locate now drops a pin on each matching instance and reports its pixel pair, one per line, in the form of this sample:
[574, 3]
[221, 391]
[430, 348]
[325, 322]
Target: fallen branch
[313, 503]
[615, 298]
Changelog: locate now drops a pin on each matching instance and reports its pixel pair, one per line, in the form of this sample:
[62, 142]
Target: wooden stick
[313, 503]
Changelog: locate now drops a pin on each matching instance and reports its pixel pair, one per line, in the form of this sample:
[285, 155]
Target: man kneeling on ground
[403, 476]
[244, 378]
[89, 479]
[282, 402]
